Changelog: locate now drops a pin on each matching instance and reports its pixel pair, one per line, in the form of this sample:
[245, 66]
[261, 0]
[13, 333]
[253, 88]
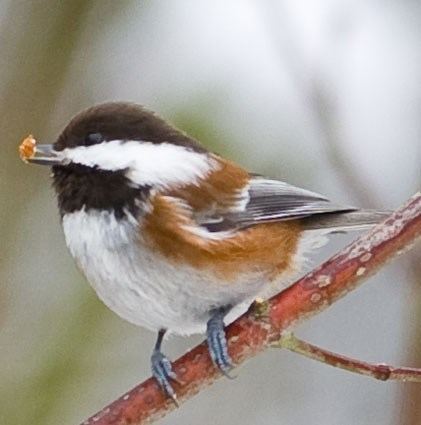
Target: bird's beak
[45, 155]
[31, 152]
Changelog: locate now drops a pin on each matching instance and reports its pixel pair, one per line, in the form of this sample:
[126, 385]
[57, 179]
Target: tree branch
[379, 371]
[263, 324]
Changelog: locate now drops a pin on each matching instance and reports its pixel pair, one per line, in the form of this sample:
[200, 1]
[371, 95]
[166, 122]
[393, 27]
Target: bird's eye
[93, 139]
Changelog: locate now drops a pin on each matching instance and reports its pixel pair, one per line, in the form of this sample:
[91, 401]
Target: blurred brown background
[324, 94]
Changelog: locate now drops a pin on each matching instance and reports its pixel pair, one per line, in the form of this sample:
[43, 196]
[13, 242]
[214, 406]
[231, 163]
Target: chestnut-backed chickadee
[173, 237]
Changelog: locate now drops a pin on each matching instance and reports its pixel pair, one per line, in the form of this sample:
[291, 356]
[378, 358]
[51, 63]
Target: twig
[380, 371]
[260, 327]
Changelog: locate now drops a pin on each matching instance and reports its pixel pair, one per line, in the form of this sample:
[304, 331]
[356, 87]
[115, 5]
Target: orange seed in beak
[27, 148]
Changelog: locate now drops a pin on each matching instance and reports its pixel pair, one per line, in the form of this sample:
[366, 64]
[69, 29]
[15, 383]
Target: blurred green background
[324, 94]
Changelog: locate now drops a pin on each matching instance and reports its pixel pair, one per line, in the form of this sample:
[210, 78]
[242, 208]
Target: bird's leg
[162, 369]
[217, 341]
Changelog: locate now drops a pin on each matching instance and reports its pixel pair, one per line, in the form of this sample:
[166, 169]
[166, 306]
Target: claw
[162, 369]
[217, 342]
[162, 372]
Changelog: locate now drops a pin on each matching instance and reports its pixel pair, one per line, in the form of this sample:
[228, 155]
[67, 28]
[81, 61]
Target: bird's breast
[144, 286]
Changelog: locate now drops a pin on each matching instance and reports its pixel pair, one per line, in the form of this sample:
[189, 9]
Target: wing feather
[272, 200]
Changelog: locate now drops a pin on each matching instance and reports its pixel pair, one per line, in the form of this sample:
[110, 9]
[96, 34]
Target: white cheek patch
[161, 165]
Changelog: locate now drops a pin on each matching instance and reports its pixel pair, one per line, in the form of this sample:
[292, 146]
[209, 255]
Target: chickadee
[173, 237]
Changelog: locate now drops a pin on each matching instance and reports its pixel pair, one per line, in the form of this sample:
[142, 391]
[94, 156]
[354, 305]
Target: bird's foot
[163, 373]
[217, 342]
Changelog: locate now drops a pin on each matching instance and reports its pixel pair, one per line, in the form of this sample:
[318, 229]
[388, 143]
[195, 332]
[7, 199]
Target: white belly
[143, 288]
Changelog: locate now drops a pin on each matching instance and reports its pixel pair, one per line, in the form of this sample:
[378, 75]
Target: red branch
[380, 371]
[260, 327]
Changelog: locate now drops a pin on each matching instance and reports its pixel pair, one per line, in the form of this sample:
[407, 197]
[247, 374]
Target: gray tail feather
[345, 220]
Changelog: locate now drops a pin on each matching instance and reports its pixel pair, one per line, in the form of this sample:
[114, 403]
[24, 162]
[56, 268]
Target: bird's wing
[266, 200]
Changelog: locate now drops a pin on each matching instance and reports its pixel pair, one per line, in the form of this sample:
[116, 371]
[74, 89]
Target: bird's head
[112, 153]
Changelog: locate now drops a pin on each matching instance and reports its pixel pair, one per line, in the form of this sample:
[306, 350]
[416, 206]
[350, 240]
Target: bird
[174, 237]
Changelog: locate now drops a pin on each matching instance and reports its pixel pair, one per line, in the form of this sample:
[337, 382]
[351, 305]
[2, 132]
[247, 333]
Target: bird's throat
[80, 187]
